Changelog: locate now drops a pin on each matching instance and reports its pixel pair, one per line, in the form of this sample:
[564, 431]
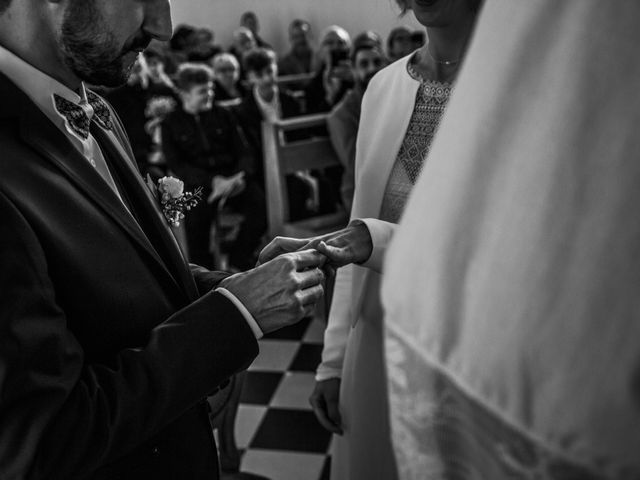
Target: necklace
[442, 62]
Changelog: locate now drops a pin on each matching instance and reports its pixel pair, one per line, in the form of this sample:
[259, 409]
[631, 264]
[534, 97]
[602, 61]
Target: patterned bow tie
[78, 119]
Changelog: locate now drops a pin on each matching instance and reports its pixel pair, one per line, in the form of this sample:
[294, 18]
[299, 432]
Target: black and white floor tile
[276, 429]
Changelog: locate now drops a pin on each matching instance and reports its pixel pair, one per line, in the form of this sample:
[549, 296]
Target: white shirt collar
[40, 87]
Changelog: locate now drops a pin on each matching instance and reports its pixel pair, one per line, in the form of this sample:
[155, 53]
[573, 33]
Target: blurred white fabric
[513, 271]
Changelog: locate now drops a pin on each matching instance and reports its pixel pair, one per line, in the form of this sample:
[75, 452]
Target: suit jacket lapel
[146, 208]
[37, 131]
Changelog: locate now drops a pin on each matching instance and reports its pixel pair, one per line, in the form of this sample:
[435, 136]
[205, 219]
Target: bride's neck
[441, 56]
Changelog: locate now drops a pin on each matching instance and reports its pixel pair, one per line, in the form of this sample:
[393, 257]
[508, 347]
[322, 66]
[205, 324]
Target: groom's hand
[280, 245]
[282, 291]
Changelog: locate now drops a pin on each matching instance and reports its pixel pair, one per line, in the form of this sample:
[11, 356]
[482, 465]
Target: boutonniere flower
[174, 201]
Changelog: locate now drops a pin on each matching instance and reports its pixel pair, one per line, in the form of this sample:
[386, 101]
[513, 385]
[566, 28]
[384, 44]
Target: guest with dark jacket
[228, 88]
[333, 72]
[250, 20]
[399, 43]
[265, 101]
[243, 41]
[204, 147]
[367, 58]
[298, 60]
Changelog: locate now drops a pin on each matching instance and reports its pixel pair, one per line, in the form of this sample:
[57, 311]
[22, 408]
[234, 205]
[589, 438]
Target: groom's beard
[92, 52]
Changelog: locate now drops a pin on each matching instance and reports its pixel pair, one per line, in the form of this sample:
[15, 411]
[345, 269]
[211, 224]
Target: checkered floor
[276, 428]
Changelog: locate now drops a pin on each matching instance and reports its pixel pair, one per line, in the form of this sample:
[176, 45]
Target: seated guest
[147, 96]
[203, 53]
[204, 36]
[418, 39]
[227, 75]
[159, 80]
[243, 41]
[250, 21]
[204, 148]
[200, 48]
[267, 102]
[399, 43]
[367, 59]
[333, 72]
[298, 60]
[184, 38]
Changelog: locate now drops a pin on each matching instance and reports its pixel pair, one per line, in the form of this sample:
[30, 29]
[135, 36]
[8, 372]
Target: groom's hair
[4, 4]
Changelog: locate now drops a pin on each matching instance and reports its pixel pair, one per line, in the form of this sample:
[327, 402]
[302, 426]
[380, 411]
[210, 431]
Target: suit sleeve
[61, 417]
[206, 280]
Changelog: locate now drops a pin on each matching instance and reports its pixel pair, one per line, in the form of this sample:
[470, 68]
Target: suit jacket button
[155, 451]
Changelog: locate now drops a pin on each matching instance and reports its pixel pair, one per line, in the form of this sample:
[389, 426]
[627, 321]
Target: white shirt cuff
[253, 325]
[325, 373]
[380, 237]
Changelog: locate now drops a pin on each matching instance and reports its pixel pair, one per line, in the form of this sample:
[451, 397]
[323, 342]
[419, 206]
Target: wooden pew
[282, 158]
[295, 85]
[294, 82]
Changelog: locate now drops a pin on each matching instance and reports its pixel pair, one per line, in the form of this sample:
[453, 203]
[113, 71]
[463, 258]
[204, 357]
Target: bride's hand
[352, 244]
[325, 402]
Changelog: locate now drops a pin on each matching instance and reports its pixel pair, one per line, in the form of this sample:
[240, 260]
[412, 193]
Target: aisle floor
[276, 429]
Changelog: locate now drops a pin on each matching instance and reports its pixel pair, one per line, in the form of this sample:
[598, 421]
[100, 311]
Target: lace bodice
[430, 104]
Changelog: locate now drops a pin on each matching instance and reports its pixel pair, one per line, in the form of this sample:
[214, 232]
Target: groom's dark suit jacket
[109, 341]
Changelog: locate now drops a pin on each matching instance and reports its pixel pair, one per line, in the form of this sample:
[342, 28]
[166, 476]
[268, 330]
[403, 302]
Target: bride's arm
[381, 233]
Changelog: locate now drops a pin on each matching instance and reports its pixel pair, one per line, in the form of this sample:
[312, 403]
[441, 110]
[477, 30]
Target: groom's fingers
[278, 246]
[310, 278]
[308, 259]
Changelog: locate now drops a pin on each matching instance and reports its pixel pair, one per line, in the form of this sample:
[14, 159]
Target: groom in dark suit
[109, 341]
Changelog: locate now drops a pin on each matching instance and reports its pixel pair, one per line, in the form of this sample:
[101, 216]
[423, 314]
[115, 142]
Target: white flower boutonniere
[174, 201]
